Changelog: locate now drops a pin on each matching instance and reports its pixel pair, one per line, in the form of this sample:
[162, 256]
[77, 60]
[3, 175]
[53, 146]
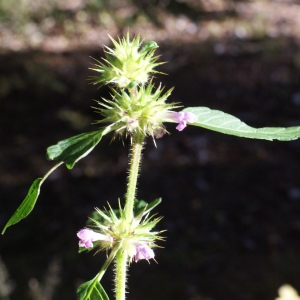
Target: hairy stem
[121, 270]
[136, 155]
[122, 256]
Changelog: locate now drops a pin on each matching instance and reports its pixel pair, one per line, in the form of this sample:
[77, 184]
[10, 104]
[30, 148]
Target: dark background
[230, 205]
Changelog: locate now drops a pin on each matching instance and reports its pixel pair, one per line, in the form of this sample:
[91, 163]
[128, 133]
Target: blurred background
[231, 206]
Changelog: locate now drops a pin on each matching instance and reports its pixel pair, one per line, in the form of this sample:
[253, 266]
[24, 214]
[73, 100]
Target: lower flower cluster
[135, 236]
[139, 250]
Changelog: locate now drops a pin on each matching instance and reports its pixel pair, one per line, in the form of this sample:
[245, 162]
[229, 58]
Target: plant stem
[121, 270]
[122, 256]
[136, 155]
[50, 171]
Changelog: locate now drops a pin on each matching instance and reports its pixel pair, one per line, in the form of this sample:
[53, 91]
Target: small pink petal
[87, 237]
[181, 126]
[181, 118]
[143, 251]
[86, 244]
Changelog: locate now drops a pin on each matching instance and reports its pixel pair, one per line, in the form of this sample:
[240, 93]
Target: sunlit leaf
[91, 290]
[29, 202]
[73, 149]
[219, 121]
[27, 205]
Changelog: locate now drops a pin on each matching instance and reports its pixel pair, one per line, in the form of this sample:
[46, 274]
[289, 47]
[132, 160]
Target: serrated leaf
[73, 149]
[27, 205]
[219, 121]
[91, 290]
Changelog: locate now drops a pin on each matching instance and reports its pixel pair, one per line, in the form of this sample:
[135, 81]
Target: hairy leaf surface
[73, 149]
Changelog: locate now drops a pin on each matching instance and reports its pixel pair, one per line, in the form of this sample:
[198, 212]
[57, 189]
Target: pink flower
[182, 118]
[88, 236]
[143, 251]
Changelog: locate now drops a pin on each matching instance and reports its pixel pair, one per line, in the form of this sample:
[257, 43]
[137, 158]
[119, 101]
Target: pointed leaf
[73, 149]
[219, 121]
[140, 206]
[27, 205]
[152, 204]
[91, 290]
[149, 46]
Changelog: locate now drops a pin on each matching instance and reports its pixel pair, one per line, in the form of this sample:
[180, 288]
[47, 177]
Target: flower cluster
[127, 65]
[135, 237]
[144, 111]
[136, 105]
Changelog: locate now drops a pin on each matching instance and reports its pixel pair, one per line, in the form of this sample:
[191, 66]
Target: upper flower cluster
[135, 237]
[127, 65]
[136, 105]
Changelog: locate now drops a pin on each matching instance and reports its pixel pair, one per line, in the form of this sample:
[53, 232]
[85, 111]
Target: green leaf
[219, 121]
[140, 206]
[27, 205]
[149, 46]
[29, 202]
[91, 290]
[73, 149]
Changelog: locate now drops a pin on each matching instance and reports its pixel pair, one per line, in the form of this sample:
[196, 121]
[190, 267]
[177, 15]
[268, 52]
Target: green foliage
[91, 290]
[27, 205]
[141, 206]
[219, 121]
[73, 149]
[67, 151]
